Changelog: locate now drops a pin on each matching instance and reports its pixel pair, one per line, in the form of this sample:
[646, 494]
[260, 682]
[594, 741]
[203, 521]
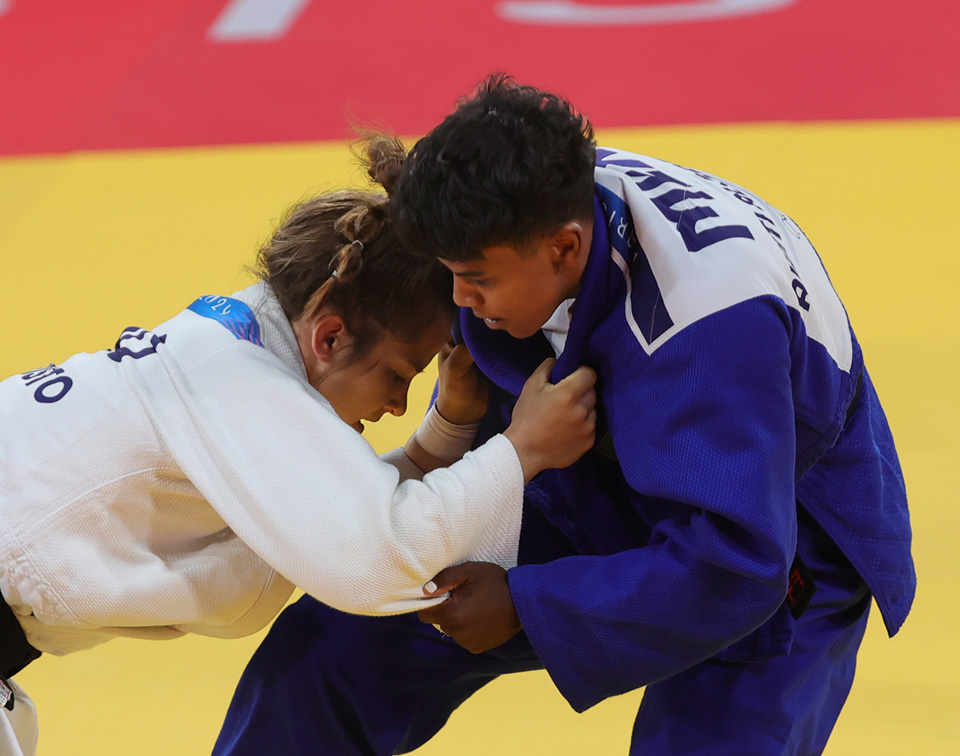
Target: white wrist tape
[443, 439]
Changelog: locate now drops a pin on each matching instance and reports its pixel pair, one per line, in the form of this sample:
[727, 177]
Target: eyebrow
[470, 274]
[409, 366]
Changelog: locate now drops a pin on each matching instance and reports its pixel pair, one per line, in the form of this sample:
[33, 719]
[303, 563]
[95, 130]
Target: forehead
[416, 354]
[500, 260]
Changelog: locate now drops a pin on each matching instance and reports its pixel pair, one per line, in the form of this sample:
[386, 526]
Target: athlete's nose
[465, 294]
[398, 405]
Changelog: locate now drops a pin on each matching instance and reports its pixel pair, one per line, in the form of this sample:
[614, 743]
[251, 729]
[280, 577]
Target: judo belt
[801, 587]
[854, 401]
[15, 652]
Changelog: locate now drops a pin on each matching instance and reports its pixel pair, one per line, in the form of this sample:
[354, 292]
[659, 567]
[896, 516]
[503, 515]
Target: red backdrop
[103, 74]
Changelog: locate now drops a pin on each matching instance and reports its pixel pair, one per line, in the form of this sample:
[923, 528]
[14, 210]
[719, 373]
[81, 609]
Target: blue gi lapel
[593, 299]
[506, 361]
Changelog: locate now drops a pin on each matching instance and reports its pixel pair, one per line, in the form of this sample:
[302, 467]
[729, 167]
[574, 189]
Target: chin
[524, 333]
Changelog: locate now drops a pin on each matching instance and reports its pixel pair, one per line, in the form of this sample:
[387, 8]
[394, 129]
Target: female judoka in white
[189, 478]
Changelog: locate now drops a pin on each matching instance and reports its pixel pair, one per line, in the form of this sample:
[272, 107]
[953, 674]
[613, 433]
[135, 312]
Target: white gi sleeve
[405, 466]
[309, 495]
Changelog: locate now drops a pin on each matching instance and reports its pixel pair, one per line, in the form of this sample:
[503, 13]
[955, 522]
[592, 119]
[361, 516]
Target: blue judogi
[738, 431]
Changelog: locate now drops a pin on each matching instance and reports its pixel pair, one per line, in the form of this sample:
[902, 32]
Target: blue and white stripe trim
[232, 314]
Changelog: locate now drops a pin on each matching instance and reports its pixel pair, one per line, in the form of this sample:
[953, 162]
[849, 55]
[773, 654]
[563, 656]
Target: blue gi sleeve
[704, 434]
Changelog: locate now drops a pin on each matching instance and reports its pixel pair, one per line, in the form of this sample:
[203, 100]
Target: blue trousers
[324, 682]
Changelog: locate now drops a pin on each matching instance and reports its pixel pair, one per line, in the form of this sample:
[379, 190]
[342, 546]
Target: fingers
[541, 375]
[441, 584]
[435, 615]
[444, 354]
[458, 359]
[581, 384]
[463, 394]
[432, 589]
[580, 381]
[580, 390]
[445, 581]
[479, 614]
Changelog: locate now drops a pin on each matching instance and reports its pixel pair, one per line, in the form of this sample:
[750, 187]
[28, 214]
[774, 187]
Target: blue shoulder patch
[232, 314]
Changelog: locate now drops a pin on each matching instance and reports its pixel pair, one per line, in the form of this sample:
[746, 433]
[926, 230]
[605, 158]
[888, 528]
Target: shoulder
[691, 245]
[232, 314]
[248, 323]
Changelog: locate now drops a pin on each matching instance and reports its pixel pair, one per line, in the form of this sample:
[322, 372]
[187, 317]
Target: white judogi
[187, 480]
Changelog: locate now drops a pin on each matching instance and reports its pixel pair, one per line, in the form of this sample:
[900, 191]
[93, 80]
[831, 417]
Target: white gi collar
[558, 326]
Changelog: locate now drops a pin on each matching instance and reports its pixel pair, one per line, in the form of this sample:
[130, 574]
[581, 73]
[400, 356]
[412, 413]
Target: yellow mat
[92, 243]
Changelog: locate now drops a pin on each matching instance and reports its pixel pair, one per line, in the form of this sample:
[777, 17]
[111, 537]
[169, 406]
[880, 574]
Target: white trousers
[18, 728]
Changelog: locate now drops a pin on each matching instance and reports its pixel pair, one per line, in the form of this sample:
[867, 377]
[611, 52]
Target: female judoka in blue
[723, 542]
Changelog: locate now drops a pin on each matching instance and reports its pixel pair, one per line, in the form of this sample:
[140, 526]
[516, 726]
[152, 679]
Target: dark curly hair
[512, 162]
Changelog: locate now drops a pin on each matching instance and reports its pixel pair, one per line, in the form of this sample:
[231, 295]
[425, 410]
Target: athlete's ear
[571, 242]
[570, 250]
[328, 337]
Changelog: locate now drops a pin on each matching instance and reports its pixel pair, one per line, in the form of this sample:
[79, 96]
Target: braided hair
[340, 251]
